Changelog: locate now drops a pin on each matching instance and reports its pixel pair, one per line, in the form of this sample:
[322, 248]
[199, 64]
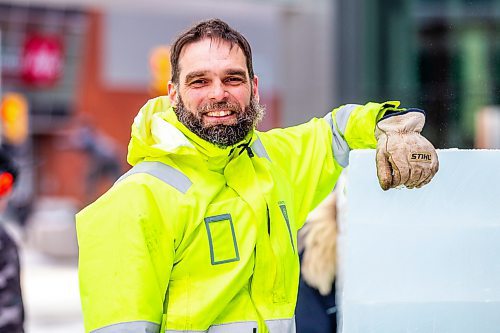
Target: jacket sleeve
[354, 124]
[125, 260]
[313, 154]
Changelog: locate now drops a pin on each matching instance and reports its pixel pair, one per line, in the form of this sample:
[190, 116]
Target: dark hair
[7, 163]
[213, 29]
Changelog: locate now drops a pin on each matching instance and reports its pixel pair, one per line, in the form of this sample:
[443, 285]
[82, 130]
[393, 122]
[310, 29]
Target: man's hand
[404, 157]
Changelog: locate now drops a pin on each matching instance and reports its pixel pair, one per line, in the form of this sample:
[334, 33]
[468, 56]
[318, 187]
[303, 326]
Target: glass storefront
[442, 56]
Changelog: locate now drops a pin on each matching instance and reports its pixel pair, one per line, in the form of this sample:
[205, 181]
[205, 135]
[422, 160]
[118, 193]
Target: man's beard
[221, 135]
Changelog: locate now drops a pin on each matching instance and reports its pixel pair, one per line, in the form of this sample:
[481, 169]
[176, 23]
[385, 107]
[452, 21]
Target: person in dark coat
[11, 302]
[316, 310]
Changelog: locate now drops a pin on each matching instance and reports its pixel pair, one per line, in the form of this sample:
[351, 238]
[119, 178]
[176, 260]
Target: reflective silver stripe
[342, 116]
[258, 149]
[163, 172]
[281, 325]
[243, 327]
[339, 145]
[130, 327]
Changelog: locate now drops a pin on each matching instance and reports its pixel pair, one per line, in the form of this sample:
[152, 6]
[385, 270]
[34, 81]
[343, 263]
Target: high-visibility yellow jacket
[202, 239]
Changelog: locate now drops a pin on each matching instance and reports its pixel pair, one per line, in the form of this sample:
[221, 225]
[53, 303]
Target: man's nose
[217, 91]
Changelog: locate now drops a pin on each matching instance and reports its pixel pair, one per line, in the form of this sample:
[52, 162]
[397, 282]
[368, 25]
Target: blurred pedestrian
[104, 163]
[103, 166]
[11, 303]
[316, 310]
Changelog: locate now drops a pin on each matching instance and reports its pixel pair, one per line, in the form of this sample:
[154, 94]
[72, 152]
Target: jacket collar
[156, 133]
[216, 157]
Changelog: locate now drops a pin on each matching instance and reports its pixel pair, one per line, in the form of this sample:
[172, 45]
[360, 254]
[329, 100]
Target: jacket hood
[157, 132]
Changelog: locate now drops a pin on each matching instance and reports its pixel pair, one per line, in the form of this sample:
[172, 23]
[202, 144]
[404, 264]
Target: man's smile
[221, 113]
[225, 117]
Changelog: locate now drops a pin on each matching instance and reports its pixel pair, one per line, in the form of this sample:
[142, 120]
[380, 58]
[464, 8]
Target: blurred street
[50, 290]
[49, 279]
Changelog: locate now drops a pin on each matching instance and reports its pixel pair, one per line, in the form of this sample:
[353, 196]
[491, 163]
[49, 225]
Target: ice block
[423, 260]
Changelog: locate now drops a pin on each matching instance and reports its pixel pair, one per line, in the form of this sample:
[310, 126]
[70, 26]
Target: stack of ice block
[424, 260]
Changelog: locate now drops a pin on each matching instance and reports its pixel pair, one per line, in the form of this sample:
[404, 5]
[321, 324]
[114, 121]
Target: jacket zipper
[268, 221]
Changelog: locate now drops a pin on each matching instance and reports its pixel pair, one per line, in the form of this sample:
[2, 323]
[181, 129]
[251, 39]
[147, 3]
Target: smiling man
[201, 234]
[222, 99]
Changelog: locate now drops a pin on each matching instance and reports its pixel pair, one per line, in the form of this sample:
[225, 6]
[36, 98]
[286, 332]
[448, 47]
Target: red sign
[42, 60]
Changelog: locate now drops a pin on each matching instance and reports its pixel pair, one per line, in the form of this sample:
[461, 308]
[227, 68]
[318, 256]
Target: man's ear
[255, 88]
[172, 93]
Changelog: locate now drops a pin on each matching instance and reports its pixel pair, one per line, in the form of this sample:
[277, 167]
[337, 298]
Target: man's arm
[125, 260]
[313, 154]
[404, 156]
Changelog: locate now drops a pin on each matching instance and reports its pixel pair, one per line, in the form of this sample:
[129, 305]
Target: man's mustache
[217, 106]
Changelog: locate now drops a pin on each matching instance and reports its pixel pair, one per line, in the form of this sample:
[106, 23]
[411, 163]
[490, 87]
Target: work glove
[404, 157]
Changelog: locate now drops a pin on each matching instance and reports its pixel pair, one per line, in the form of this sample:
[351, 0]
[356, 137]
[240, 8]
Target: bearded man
[201, 234]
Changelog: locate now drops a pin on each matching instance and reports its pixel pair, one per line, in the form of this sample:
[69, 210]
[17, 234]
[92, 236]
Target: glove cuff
[407, 121]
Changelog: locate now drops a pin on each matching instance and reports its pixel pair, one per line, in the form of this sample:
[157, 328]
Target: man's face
[215, 97]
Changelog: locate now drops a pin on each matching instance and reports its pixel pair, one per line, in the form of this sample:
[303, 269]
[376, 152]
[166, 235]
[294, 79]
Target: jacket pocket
[221, 239]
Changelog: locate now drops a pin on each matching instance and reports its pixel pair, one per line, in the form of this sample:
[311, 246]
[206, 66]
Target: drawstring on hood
[244, 146]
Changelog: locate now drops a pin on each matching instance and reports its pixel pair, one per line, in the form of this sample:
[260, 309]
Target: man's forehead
[209, 43]
[203, 54]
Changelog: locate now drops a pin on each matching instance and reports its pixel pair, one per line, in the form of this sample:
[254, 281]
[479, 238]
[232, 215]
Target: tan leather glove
[404, 157]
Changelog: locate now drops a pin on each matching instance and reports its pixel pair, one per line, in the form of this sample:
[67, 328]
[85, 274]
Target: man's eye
[198, 82]
[234, 80]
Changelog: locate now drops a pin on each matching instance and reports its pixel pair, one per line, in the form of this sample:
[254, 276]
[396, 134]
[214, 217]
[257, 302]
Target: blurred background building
[443, 56]
[94, 64]
[74, 73]
[84, 63]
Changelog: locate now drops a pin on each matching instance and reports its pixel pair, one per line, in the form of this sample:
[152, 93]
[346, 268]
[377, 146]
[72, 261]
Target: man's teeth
[218, 113]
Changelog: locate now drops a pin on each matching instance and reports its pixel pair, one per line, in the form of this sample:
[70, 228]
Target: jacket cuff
[392, 111]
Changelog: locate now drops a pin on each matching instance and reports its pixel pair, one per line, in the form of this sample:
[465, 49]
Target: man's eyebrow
[197, 74]
[194, 75]
[239, 72]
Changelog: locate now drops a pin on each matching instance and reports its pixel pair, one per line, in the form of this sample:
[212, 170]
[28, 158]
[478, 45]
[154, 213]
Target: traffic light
[14, 118]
